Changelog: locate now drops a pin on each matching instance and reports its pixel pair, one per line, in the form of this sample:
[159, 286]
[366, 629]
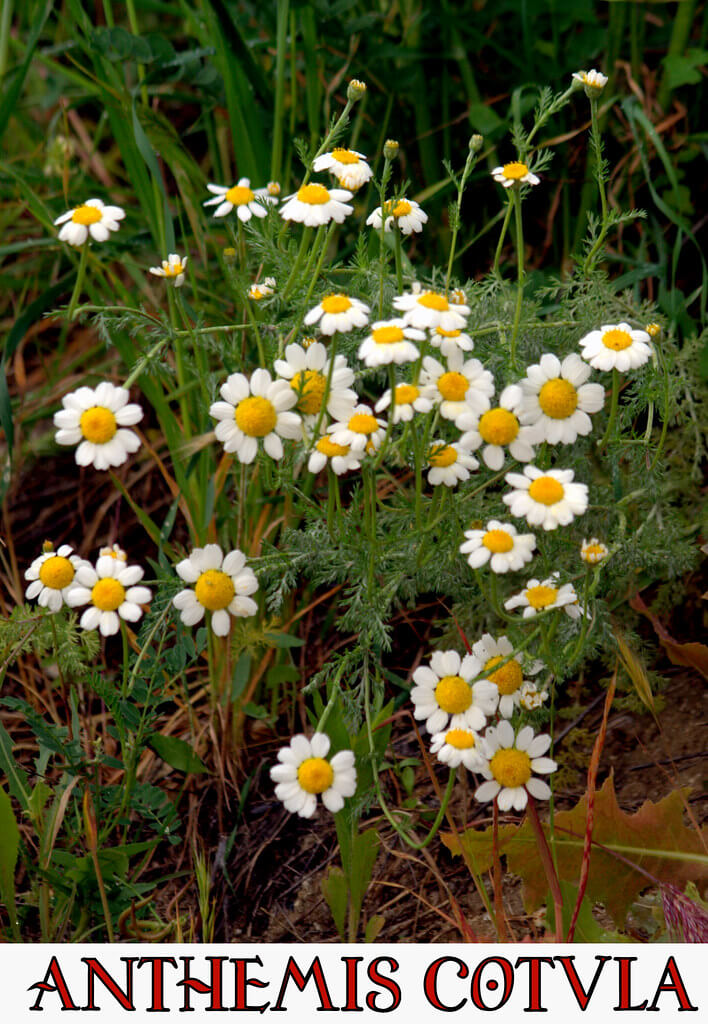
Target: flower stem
[548, 865]
[519, 275]
[397, 252]
[502, 236]
[596, 142]
[80, 274]
[302, 251]
[614, 401]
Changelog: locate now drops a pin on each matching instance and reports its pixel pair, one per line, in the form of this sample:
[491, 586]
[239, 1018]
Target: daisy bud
[476, 143]
[356, 90]
[653, 330]
[592, 81]
[229, 256]
[390, 149]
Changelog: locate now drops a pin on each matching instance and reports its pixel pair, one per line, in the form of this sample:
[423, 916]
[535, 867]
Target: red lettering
[430, 982]
[97, 970]
[492, 984]
[352, 1003]
[676, 986]
[190, 984]
[625, 985]
[315, 971]
[158, 981]
[534, 963]
[54, 972]
[582, 997]
[387, 983]
[242, 981]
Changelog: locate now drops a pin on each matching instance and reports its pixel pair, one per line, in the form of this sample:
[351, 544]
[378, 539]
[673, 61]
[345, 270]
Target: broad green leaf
[177, 753]
[336, 892]
[9, 845]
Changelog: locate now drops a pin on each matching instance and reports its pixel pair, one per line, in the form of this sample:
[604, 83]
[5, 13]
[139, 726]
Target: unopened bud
[391, 149]
[229, 256]
[356, 90]
[653, 330]
[476, 143]
[273, 188]
[47, 547]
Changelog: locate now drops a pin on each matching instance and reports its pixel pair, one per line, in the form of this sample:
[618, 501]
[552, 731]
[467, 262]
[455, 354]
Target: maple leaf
[629, 851]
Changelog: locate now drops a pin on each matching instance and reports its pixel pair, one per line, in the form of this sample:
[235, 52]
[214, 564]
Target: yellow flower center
[315, 775]
[402, 208]
[86, 215]
[546, 490]
[458, 297]
[591, 553]
[313, 195]
[255, 416]
[498, 541]
[387, 335]
[57, 572]
[447, 334]
[406, 393]
[453, 386]
[172, 269]
[616, 339]
[460, 739]
[453, 694]
[511, 768]
[239, 195]
[508, 678]
[310, 386]
[433, 300]
[330, 449]
[516, 170]
[498, 426]
[363, 423]
[336, 303]
[98, 424]
[558, 398]
[443, 456]
[214, 590]
[653, 330]
[345, 156]
[541, 596]
[273, 188]
[108, 594]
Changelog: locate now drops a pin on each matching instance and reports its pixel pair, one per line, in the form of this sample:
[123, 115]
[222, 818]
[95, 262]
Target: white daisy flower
[262, 289]
[515, 173]
[172, 268]
[616, 347]
[458, 387]
[349, 167]
[314, 204]
[446, 698]
[114, 551]
[430, 309]
[247, 202]
[497, 429]
[405, 214]
[222, 585]
[255, 410]
[557, 400]
[361, 432]
[500, 545]
[307, 370]
[458, 746]
[410, 398]
[594, 81]
[51, 576]
[490, 652]
[95, 419]
[539, 596]
[339, 456]
[593, 551]
[451, 341]
[304, 773]
[338, 314]
[546, 498]
[512, 760]
[91, 218]
[449, 463]
[390, 341]
[111, 593]
[531, 698]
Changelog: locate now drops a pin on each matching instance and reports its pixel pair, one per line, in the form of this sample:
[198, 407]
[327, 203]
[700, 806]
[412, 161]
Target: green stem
[391, 411]
[399, 265]
[80, 274]
[302, 252]
[614, 401]
[179, 362]
[519, 274]
[502, 235]
[596, 141]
